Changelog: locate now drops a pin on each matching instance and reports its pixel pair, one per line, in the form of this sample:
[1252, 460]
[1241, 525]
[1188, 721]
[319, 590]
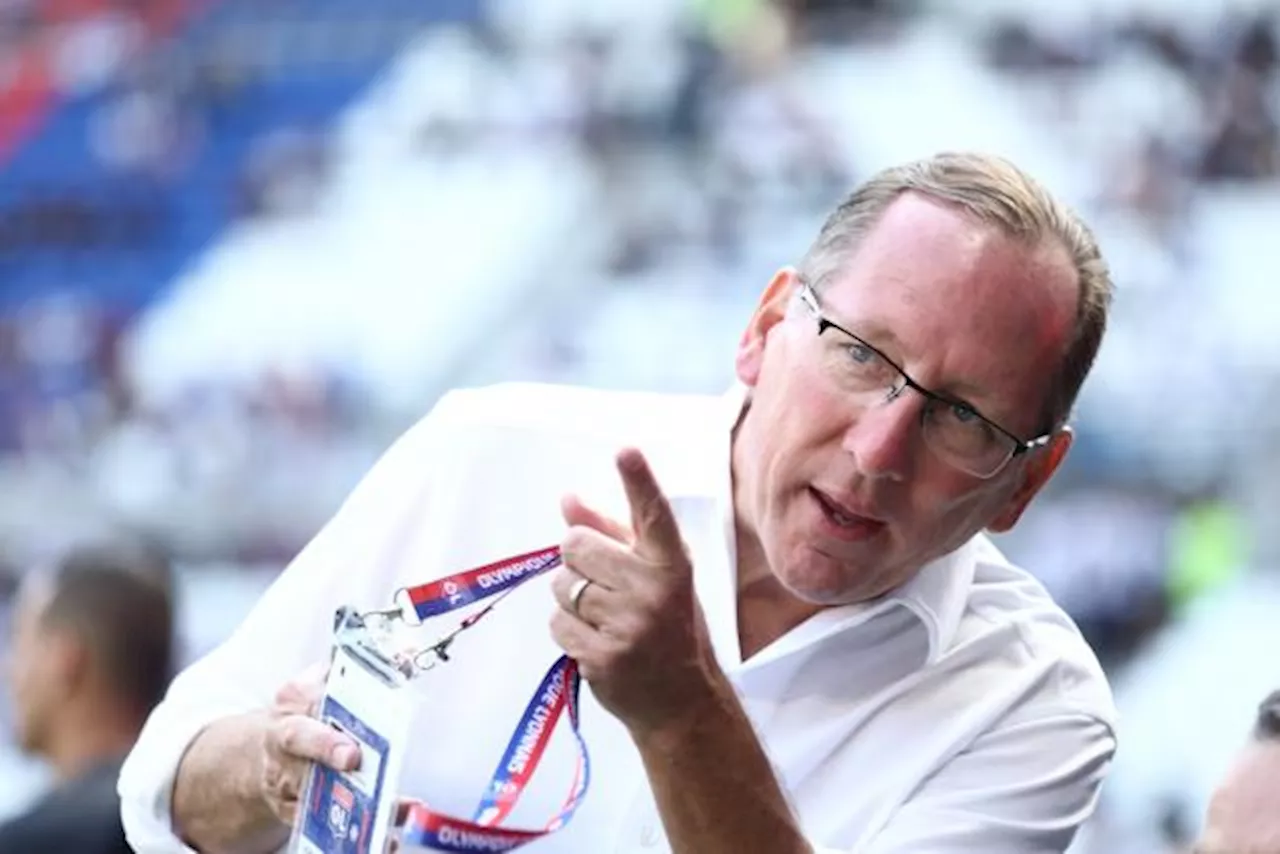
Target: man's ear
[1035, 474]
[769, 312]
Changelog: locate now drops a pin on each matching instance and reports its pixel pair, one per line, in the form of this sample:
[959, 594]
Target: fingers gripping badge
[351, 814]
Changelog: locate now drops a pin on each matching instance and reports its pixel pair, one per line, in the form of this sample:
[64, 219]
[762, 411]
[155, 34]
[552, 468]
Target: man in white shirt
[796, 636]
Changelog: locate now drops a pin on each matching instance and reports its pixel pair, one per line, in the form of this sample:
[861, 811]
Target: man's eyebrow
[875, 333]
[881, 337]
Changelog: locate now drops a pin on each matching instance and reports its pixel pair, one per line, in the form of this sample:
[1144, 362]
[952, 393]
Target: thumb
[657, 533]
[576, 513]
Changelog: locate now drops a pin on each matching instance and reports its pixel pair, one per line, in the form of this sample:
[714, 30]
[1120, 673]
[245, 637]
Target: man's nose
[884, 436]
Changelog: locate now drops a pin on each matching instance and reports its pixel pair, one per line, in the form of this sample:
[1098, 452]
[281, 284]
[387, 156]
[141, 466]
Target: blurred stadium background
[244, 243]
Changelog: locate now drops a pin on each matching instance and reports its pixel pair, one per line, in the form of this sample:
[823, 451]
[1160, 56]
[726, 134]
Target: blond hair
[993, 191]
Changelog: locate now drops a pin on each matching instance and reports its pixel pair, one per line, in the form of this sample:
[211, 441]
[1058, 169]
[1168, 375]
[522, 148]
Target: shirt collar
[937, 596]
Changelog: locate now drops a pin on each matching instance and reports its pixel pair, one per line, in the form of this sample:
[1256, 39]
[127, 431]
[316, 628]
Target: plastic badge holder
[366, 697]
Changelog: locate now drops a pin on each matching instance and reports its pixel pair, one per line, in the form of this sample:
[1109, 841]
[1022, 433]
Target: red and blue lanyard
[556, 695]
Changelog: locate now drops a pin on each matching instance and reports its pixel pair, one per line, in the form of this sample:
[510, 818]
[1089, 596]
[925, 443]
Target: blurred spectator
[1242, 130]
[283, 174]
[1244, 815]
[91, 654]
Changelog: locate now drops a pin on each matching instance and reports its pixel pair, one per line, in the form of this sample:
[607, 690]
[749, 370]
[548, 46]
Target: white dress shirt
[961, 713]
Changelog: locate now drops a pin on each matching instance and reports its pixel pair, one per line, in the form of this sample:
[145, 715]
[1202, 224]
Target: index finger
[657, 533]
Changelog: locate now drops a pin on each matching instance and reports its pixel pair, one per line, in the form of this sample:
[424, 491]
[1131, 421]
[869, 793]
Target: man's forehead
[1244, 814]
[1258, 764]
[921, 249]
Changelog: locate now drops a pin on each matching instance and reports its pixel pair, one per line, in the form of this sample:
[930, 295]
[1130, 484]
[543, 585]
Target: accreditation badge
[367, 698]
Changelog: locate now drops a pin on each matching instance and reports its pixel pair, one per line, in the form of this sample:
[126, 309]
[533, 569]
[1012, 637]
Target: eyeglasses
[955, 431]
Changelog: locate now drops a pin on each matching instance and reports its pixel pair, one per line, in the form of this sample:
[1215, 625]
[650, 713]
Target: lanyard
[556, 695]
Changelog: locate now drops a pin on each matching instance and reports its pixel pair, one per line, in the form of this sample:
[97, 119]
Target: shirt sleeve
[349, 562]
[1021, 789]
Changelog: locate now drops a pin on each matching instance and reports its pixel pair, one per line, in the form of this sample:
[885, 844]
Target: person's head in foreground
[1244, 812]
[910, 382]
[90, 655]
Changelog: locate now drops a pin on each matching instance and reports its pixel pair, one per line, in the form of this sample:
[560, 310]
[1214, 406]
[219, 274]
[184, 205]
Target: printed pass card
[351, 813]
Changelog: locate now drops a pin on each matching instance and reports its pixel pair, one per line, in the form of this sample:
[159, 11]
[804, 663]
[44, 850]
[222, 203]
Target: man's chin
[826, 581]
[817, 589]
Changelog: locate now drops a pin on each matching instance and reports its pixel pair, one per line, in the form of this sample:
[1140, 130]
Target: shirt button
[649, 836]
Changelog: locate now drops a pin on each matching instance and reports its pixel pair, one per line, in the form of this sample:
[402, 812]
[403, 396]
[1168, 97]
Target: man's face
[844, 497]
[32, 668]
[1244, 813]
